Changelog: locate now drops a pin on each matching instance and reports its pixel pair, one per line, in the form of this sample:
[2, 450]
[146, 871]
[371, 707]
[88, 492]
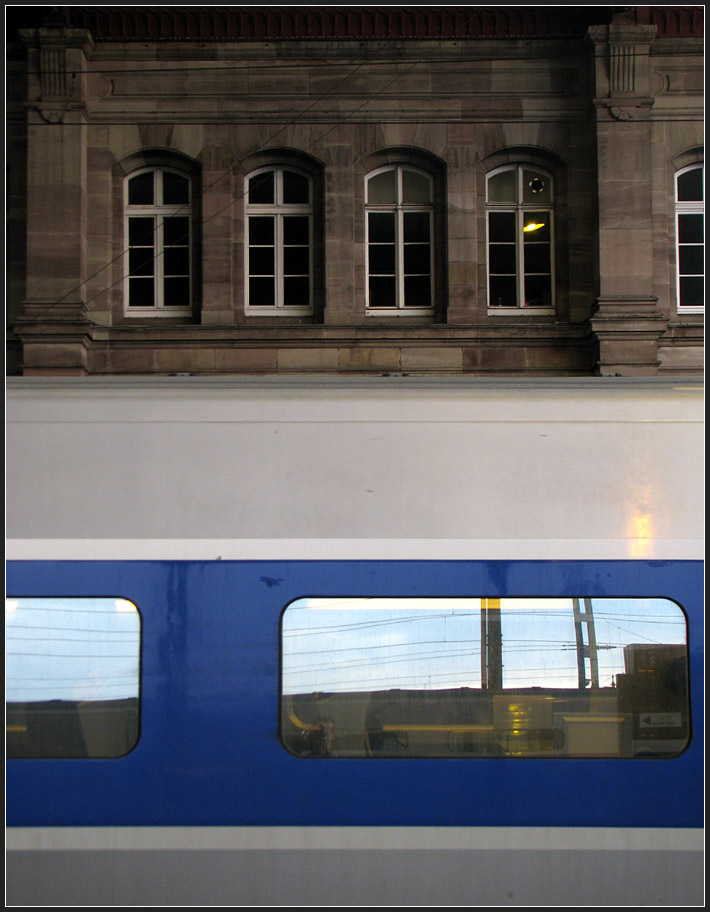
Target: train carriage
[375, 641]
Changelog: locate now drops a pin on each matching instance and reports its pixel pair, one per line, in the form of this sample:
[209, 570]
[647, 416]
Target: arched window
[520, 239]
[690, 238]
[158, 213]
[399, 203]
[279, 215]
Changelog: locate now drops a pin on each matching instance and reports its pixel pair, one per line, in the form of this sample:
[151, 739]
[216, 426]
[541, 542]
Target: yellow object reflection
[641, 534]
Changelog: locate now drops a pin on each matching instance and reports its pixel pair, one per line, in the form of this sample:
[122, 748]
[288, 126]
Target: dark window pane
[692, 291]
[382, 259]
[296, 229]
[538, 291]
[261, 261]
[296, 289]
[141, 231]
[502, 188]
[416, 259]
[691, 229]
[261, 229]
[537, 258]
[502, 259]
[141, 261]
[295, 188]
[296, 261]
[261, 188]
[382, 188]
[417, 291]
[140, 189]
[140, 293]
[503, 292]
[536, 227]
[501, 226]
[416, 226]
[261, 293]
[176, 189]
[177, 292]
[691, 260]
[176, 230]
[177, 261]
[690, 185]
[416, 188]
[382, 292]
[381, 225]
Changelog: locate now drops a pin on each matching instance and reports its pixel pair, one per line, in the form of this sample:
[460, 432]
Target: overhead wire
[226, 172]
[368, 61]
[306, 61]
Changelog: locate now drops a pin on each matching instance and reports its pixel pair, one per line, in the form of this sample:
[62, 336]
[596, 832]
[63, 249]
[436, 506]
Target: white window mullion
[399, 252]
[520, 254]
[399, 237]
[279, 261]
[158, 262]
[278, 187]
[159, 242]
[520, 236]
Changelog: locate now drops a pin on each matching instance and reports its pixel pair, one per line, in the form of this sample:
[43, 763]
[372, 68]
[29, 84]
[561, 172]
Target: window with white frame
[279, 230]
[690, 239]
[399, 205]
[520, 239]
[158, 212]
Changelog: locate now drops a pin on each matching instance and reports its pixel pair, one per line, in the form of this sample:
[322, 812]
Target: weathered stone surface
[369, 359]
[612, 137]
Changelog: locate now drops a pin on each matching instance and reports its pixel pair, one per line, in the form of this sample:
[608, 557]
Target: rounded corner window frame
[638, 754]
[53, 757]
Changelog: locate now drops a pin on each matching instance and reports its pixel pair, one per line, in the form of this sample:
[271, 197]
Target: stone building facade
[448, 190]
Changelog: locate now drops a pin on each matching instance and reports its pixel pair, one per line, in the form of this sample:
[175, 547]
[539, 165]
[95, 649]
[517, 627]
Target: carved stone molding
[629, 108]
[622, 57]
[60, 56]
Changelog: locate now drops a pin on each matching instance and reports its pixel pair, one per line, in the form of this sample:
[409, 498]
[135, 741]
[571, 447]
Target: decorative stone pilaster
[56, 82]
[53, 324]
[622, 70]
[628, 329]
[626, 323]
[55, 338]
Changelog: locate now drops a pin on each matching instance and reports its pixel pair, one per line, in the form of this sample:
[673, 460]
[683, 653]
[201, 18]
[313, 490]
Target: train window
[72, 677]
[484, 677]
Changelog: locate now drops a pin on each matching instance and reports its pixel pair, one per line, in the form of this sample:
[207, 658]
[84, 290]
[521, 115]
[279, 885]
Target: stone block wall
[609, 108]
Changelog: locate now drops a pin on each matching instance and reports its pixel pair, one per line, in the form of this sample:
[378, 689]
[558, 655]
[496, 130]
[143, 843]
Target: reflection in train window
[72, 677]
[481, 677]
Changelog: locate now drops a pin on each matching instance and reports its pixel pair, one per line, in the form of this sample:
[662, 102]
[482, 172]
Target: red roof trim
[673, 20]
[284, 23]
[224, 23]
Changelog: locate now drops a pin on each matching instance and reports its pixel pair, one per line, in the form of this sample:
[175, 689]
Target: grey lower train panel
[354, 877]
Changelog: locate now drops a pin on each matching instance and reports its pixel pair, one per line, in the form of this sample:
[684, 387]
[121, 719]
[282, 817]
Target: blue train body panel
[209, 752]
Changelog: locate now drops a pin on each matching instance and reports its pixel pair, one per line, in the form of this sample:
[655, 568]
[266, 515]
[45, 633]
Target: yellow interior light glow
[533, 226]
